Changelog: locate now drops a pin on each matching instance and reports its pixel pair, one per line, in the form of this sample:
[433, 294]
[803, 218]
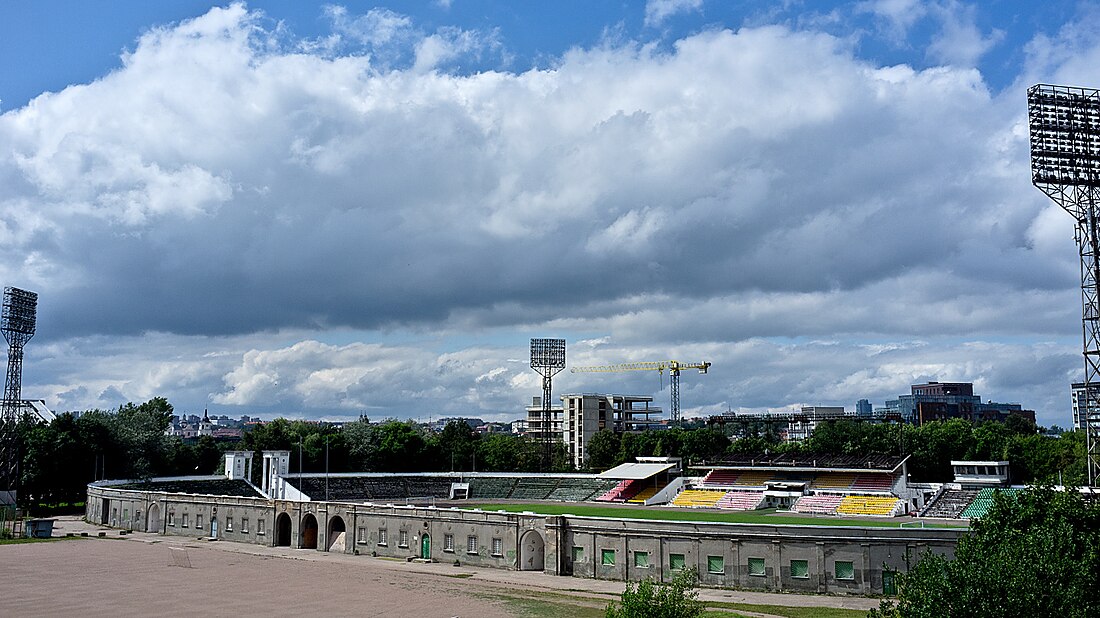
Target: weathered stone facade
[824, 559]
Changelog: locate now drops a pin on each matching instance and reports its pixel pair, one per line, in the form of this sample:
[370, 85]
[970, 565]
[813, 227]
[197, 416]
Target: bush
[648, 599]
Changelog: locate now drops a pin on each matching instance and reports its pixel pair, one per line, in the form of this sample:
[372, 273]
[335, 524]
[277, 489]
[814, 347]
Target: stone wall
[822, 559]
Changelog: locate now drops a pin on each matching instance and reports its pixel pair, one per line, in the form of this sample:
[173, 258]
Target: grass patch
[22, 540]
[766, 516]
[792, 612]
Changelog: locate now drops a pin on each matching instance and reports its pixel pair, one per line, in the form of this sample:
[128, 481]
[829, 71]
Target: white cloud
[657, 11]
[727, 198]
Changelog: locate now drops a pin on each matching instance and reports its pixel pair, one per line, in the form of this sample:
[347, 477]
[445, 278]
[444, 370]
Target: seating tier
[741, 500]
[868, 505]
[696, 498]
[824, 504]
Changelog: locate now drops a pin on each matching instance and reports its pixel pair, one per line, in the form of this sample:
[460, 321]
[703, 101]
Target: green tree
[602, 450]
[648, 599]
[1037, 554]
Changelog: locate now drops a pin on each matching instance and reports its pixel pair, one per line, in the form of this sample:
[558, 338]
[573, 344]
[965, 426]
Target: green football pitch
[766, 516]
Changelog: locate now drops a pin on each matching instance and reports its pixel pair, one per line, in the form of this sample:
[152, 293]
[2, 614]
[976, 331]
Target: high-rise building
[863, 408]
[1078, 390]
[946, 400]
[585, 414]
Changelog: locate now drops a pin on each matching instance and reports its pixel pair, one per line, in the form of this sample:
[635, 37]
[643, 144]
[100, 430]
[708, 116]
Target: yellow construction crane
[673, 367]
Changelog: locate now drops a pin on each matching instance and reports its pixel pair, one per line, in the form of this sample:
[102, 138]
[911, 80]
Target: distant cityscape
[580, 416]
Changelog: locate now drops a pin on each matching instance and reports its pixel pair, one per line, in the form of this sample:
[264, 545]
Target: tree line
[61, 457]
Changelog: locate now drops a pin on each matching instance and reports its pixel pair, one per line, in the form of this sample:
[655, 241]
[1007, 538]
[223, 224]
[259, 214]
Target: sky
[324, 211]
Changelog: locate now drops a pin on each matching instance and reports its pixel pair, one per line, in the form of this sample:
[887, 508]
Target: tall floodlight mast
[17, 322]
[1064, 124]
[547, 359]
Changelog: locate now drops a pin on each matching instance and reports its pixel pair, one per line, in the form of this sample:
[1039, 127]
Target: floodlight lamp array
[19, 313]
[1064, 123]
[548, 354]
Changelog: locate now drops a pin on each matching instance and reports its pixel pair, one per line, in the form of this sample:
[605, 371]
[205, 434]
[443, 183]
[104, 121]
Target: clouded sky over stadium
[326, 210]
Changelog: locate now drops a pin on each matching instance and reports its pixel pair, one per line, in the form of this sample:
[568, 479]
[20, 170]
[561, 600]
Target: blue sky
[322, 210]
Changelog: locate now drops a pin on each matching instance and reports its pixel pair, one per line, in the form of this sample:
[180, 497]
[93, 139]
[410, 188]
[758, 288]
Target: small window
[403, 538]
[800, 569]
[448, 542]
[756, 567]
[185, 520]
[607, 557]
[844, 570]
[244, 525]
[171, 519]
[676, 562]
[198, 520]
[137, 515]
[471, 544]
[381, 536]
[578, 553]
[361, 538]
[228, 524]
[125, 514]
[716, 564]
[498, 547]
[641, 559]
[259, 526]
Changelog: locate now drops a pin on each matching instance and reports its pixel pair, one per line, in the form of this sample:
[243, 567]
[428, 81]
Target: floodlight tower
[1064, 125]
[17, 322]
[547, 359]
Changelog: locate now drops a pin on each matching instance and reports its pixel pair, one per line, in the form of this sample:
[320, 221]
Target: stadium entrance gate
[336, 534]
[309, 532]
[532, 552]
[282, 530]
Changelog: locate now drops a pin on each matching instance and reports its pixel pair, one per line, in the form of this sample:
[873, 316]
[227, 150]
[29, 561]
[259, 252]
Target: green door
[888, 587]
[425, 546]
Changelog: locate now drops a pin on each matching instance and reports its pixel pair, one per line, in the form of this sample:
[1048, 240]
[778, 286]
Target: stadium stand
[209, 487]
[613, 494]
[645, 493]
[833, 480]
[438, 487]
[534, 488]
[983, 502]
[950, 503]
[873, 482]
[492, 488]
[720, 478]
[822, 504]
[577, 490]
[741, 500]
[869, 505]
[753, 478]
[698, 498]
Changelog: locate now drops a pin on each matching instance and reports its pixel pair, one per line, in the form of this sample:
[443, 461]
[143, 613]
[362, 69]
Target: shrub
[648, 599]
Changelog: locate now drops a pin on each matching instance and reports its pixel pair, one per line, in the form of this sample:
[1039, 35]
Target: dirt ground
[152, 575]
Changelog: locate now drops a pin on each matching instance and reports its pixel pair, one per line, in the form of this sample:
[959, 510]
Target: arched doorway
[426, 546]
[336, 534]
[152, 518]
[532, 552]
[282, 530]
[309, 532]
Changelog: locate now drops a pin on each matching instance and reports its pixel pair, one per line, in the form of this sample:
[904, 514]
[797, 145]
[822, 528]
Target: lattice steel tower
[1064, 124]
[547, 359]
[17, 322]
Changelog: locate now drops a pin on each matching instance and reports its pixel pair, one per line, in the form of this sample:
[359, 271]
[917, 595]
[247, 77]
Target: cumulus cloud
[657, 11]
[729, 196]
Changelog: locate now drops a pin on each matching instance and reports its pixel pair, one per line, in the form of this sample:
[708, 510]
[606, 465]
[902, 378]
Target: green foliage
[1036, 555]
[602, 450]
[648, 599]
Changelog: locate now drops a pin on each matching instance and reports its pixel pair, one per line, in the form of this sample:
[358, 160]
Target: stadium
[818, 525]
